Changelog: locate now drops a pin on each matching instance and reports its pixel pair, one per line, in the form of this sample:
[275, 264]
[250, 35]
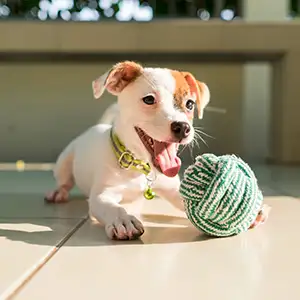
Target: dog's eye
[149, 100]
[190, 104]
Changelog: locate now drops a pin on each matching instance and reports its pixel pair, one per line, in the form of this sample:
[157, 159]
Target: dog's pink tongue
[167, 159]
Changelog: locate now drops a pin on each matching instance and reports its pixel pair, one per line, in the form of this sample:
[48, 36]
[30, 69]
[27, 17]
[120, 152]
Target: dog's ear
[117, 78]
[200, 89]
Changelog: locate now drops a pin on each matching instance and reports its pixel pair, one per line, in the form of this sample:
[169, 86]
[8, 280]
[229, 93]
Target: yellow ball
[20, 165]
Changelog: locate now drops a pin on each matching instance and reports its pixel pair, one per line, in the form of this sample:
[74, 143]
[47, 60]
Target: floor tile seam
[14, 289]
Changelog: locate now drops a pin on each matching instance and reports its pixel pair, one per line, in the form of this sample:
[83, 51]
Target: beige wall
[257, 79]
[39, 101]
[43, 106]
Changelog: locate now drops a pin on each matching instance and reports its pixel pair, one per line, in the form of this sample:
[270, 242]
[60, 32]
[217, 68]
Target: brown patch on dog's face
[122, 74]
[182, 91]
[188, 86]
[117, 78]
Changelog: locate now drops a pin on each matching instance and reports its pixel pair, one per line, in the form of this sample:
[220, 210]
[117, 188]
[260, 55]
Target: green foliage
[161, 8]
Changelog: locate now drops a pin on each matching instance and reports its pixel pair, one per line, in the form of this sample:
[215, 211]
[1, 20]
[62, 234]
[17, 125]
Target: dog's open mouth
[164, 154]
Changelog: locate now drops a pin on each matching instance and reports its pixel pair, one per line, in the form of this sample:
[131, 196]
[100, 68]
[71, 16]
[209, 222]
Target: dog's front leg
[105, 207]
[168, 189]
[172, 196]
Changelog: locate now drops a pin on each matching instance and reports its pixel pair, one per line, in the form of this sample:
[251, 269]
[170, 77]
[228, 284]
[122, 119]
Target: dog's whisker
[183, 148]
[195, 142]
[191, 152]
[202, 139]
[199, 130]
[198, 136]
[205, 134]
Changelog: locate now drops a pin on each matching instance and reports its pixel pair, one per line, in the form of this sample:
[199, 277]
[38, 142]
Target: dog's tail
[109, 114]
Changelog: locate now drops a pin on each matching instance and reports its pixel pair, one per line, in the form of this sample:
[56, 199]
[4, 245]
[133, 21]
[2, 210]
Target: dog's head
[159, 105]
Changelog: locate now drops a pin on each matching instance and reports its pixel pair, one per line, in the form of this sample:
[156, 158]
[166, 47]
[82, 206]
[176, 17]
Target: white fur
[88, 161]
[109, 114]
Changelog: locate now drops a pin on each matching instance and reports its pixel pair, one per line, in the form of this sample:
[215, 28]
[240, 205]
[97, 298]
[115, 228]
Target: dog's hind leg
[63, 174]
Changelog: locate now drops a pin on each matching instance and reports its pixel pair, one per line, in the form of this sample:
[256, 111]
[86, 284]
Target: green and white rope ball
[221, 195]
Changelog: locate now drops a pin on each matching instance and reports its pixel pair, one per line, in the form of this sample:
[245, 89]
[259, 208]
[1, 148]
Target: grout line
[71, 232]
[15, 288]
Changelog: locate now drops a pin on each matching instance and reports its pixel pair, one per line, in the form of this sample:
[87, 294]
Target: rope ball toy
[221, 195]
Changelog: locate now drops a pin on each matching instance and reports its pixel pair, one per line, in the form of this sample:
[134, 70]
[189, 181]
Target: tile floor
[50, 251]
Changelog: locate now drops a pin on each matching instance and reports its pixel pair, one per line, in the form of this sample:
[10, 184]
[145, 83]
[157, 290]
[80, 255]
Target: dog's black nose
[180, 130]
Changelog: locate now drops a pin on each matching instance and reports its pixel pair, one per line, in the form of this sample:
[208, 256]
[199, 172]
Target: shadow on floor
[26, 218]
[159, 229]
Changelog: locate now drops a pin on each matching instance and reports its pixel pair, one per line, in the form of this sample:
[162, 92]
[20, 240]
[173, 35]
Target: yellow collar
[128, 161]
[126, 158]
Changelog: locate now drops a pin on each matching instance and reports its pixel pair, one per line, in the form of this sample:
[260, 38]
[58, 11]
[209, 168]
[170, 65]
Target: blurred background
[51, 50]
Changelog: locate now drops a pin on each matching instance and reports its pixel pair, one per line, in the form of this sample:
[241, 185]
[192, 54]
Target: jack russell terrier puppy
[137, 155]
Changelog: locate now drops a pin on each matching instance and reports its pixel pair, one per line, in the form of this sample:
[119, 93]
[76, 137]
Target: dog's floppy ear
[200, 89]
[117, 78]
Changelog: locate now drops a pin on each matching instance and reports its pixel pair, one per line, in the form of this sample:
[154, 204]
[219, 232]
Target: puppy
[137, 154]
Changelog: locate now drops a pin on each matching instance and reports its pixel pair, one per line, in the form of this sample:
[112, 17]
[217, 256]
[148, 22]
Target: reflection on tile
[24, 242]
[289, 186]
[33, 206]
[22, 193]
[285, 180]
[269, 191]
[32, 182]
[175, 261]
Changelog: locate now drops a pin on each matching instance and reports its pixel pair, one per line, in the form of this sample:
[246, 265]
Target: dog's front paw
[124, 228]
[57, 196]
